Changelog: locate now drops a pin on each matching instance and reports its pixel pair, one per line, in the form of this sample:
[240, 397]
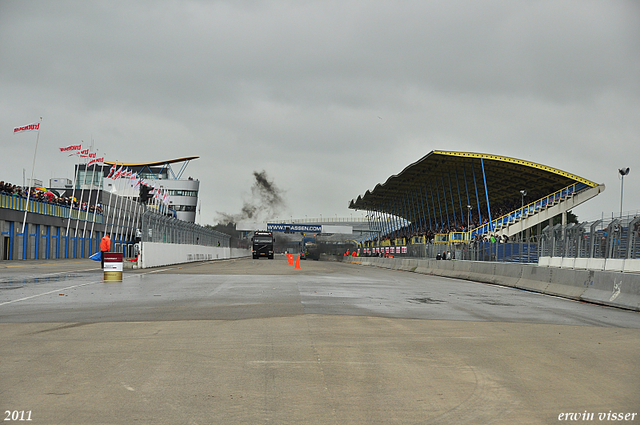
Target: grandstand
[463, 196]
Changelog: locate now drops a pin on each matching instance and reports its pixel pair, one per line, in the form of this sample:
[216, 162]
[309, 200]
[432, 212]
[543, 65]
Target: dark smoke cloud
[266, 202]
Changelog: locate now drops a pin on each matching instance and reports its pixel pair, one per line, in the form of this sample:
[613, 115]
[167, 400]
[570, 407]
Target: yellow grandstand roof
[152, 164]
[450, 181]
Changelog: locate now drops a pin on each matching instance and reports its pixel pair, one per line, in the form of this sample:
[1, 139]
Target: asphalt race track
[259, 342]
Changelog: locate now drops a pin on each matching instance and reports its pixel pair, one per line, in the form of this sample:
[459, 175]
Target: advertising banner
[304, 228]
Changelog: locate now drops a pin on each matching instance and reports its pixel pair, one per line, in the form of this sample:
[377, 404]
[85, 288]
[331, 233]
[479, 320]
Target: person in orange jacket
[105, 246]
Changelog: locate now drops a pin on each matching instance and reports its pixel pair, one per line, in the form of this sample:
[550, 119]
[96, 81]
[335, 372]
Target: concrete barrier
[508, 274]
[632, 266]
[581, 263]
[409, 265]
[555, 262]
[614, 265]
[595, 264]
[424, 266]
[482, 271]
[153, 254]
[534, 278]
[567, 283]
[608, 264]
[614, 289]
[444, 268]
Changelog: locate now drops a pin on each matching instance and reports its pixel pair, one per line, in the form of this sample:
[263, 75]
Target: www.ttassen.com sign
[271, 227]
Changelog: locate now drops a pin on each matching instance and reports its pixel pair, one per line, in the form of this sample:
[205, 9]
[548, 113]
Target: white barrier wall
[606, 264]
[154, 254]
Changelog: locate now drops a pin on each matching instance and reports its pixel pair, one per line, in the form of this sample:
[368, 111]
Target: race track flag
[134, 180]
[112, 170]
[96, 161]
[71, 149]
[29, 127]
[16, 130]
[118, 173]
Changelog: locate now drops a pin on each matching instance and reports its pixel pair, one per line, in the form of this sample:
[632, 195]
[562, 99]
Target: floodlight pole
[621, 193]
[623, 172]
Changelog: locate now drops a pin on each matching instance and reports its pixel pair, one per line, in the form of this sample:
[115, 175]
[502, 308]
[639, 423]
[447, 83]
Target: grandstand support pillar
[486, 191]
[552, 232]
[564, 224]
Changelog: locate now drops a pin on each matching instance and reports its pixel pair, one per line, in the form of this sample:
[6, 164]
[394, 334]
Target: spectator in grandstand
[47, 197]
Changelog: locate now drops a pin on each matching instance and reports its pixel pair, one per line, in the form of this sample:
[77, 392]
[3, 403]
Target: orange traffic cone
[290, 258]
[297, 266]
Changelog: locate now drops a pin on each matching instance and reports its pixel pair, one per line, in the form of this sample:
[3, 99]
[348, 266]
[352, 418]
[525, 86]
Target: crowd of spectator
[456, 224]
[47, 196]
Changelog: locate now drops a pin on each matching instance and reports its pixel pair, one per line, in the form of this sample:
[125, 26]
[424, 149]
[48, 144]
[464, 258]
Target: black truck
[262, 245]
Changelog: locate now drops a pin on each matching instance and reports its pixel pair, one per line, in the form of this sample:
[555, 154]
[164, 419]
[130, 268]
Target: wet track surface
[256, 341]
[242, 289]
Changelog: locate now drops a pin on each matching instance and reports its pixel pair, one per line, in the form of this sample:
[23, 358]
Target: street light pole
[623, 172]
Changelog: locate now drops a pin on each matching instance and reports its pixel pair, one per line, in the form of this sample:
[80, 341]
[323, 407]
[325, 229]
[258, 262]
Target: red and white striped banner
[29, 127]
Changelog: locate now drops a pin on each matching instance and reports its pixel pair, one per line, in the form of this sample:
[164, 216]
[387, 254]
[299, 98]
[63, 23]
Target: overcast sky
[328, 97]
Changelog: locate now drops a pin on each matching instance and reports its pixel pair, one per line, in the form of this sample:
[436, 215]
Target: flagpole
[73, 195]
[115, 207]
[33, 166]
[82, 185]
[136, 217]
[116, 188]
[133, 205]
[98, 190]
[125, 207]
[93, 176]
[126, 218]
[117, 222]
[110, 193]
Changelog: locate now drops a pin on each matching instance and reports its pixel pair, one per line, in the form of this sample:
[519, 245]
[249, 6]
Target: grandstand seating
[18, 203]
[503, 223]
